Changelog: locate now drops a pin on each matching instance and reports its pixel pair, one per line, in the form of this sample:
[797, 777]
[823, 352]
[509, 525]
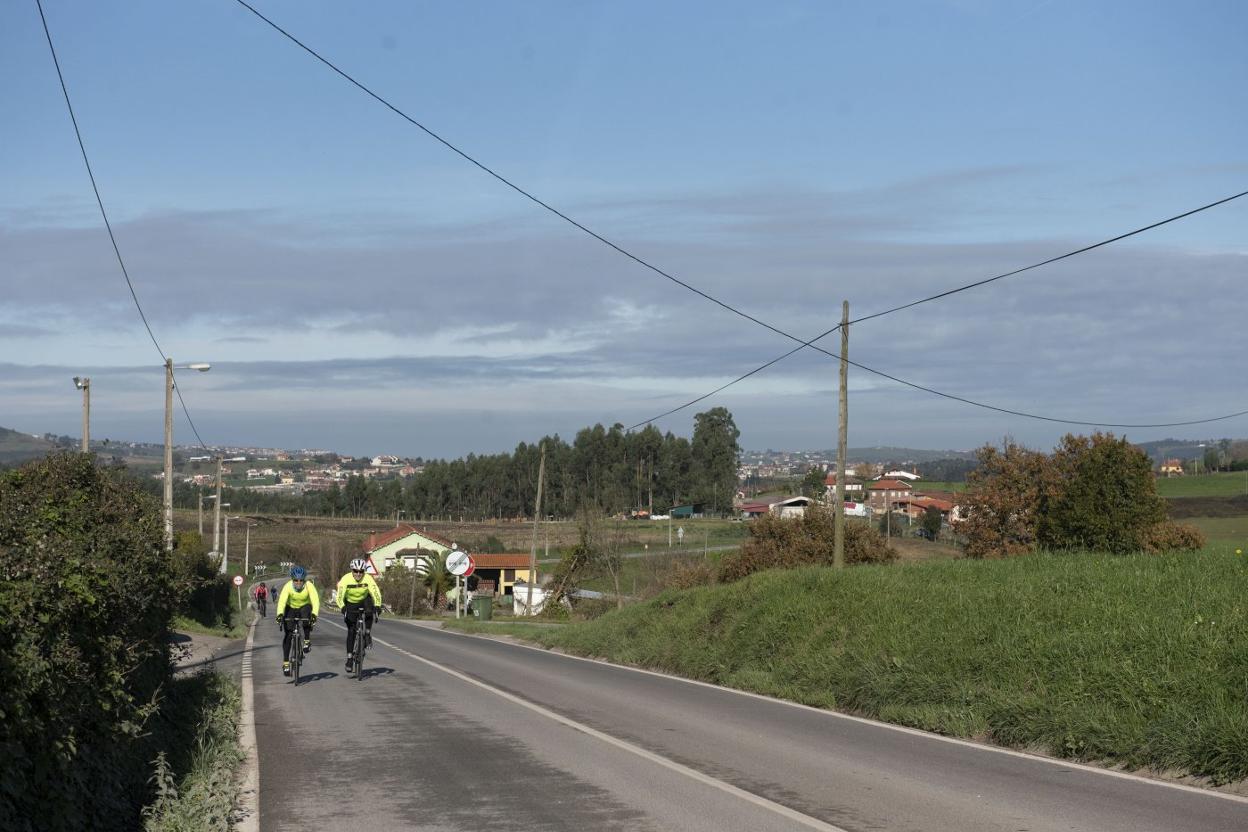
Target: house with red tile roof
[883, 493]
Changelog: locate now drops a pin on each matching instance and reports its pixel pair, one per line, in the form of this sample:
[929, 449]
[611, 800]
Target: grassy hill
[1133, 660]
[18, 447]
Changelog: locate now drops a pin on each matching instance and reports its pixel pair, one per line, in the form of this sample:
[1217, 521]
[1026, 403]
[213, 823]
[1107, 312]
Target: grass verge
[1138, 661]
[197, 732]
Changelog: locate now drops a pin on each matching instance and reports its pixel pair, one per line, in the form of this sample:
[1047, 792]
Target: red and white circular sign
[238, 580]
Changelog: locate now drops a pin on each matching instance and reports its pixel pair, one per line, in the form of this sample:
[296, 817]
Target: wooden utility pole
[537, 513]
[838, 498]
[168, 455]
[216, 514]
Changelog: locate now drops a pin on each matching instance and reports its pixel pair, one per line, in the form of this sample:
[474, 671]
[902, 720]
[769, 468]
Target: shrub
[786, 543]
[1004, 497]
[1168, 536]
[690, 572]
[86, 594]
[1107, 500]
[203, 594]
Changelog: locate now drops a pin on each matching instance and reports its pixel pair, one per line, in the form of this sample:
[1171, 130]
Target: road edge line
[249, 792]
[904, 729]
[650, 756]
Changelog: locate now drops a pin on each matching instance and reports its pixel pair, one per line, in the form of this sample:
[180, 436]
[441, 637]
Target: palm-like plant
[437, 579]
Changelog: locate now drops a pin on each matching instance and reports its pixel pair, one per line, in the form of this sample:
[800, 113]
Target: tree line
[611, 469]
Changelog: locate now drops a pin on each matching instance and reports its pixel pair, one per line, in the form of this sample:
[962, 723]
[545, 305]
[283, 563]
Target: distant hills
[18, 447]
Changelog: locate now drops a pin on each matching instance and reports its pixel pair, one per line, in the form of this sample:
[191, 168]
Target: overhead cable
[103, 213]
[510, 184]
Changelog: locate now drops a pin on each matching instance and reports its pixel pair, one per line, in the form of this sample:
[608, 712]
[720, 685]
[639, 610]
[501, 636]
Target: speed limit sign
[238, 580]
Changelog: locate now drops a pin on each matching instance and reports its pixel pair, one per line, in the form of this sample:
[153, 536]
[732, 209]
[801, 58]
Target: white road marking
[693, 774]
[1122, 775]
[249, 796]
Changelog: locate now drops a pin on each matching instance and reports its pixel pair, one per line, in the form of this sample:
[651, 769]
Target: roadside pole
[842, 434]
[537, 512]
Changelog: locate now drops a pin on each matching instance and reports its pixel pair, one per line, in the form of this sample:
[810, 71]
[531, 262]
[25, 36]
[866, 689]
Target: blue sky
[358, 286]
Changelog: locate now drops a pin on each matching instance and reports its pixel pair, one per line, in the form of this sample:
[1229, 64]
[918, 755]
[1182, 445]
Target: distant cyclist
[358, 596]
[262, 598]
[298, 605]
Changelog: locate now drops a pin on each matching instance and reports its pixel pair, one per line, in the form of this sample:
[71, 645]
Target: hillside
[18, 447]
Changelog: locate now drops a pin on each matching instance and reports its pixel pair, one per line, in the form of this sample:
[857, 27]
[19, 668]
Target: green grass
[196, 787]
[1224, 484]
[925, 486]
[1232, 530]
[1136, 660]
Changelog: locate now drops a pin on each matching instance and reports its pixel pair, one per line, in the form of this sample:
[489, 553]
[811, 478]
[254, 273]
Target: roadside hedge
[86, 595]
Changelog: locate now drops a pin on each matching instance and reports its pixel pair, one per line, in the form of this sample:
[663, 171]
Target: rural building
[783, 507]
[498, 574]
[687, 511]
[887, 491]
[853, 487]
[1171, 468]
[403, 544]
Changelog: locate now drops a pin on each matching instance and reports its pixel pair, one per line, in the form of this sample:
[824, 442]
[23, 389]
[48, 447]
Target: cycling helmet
[359, 565]
[298, 573]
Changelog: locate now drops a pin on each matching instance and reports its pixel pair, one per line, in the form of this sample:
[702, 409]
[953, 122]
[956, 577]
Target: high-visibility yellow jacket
[297, 599]
[351, 591]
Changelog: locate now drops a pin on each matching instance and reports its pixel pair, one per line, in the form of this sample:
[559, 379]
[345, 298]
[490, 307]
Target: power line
[801, 344]
[935, 392]
[504, 180]
[103, 213]
[1051, 259]
[811, 342]
[775, 360]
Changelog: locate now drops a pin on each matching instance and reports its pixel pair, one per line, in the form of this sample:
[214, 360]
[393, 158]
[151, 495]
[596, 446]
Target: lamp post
[169, 368]
[83, 383]
[216, 533]
[247, 551]
[225, 558]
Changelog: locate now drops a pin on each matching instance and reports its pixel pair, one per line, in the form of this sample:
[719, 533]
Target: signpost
[238, 585]
[459, 564]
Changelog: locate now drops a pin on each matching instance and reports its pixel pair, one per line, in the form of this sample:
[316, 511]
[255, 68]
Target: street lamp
[169, 368]
[83, 383]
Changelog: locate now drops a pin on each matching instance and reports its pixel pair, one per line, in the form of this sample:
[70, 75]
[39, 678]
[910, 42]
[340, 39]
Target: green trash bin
[483, 607]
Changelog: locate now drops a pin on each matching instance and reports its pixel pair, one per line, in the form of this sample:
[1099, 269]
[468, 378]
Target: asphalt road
[450, 732]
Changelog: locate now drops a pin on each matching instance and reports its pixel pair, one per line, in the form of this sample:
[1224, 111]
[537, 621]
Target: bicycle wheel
[296, 653]
[359, 649]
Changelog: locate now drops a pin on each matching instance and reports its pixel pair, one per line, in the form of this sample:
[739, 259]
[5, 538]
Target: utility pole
[247, 552]
[201, 511]
[537, 513]
[216, 514]
[842, 435]
[84, 384]
[169, 454]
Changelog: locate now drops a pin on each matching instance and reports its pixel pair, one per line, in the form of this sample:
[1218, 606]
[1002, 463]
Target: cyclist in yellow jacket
[358, 595]
[299, 604]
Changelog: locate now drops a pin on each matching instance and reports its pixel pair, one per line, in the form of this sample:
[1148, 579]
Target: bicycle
[261, 601]
[363, 640]
[299, 647]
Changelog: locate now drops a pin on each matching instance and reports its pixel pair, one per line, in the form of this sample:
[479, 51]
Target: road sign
[472, 566]
[458, 563]
[238, 580]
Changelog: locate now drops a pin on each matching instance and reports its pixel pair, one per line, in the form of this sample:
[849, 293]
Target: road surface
[452, 732]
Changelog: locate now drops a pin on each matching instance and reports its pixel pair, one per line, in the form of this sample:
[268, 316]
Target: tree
[1108, 499]
[1004, 499]
[814, 483]
[716, 455]
[932, 522]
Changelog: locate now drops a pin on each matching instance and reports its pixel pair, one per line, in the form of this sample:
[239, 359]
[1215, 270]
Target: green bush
[86, 595]
[786, 543]
[203, 593]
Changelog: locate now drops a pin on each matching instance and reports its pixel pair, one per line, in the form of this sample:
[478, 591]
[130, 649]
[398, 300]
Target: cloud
[300, 315]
